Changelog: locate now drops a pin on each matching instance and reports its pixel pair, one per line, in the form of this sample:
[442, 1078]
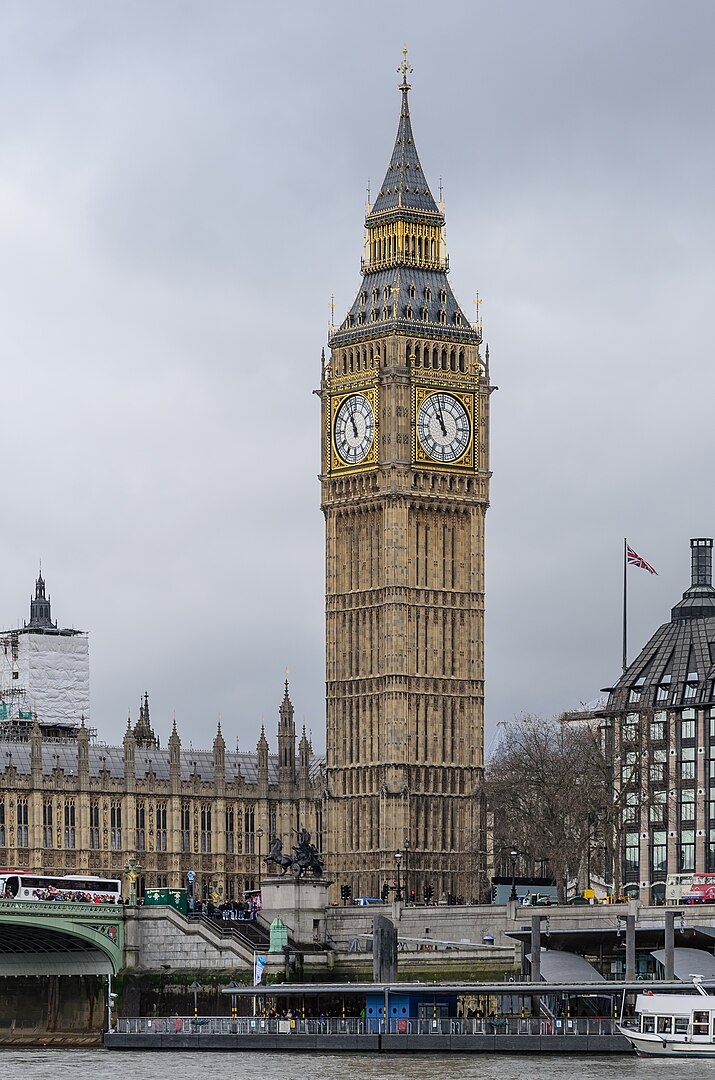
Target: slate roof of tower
[405, 186]
[405, 311]
[405, 194]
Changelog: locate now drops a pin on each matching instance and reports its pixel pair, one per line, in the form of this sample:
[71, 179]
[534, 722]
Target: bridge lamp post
[513, 895]
[398, 890]
[195, 987]
[132, 870]
[259, 834]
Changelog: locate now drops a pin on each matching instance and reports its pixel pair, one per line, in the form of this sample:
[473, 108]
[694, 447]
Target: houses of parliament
[404, 427]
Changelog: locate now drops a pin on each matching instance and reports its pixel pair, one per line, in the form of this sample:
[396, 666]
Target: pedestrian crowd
[78, 897]
[241, 910]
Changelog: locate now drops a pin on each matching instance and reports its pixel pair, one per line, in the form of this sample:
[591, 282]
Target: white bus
[690, 888]
[17, 885]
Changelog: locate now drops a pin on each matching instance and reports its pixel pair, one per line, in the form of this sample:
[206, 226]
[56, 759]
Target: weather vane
[404, 66]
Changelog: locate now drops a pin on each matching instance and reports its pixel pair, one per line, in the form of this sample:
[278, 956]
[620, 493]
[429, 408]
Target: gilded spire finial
[405, 68]
[477, 317]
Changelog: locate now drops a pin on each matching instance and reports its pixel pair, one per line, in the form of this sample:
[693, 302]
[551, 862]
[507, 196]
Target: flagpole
[625, 604]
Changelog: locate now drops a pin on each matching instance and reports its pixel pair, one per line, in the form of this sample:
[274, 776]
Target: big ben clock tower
[405, 488]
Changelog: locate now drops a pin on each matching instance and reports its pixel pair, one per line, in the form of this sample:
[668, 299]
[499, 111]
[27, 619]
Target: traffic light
[428, 892]
[413, 898]
[385, 894]
[346, 893]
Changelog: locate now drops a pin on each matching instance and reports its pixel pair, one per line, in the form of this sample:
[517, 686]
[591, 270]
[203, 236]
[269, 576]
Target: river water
[142, 1065]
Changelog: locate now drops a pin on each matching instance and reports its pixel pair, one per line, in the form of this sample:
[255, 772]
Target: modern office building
[661, 714]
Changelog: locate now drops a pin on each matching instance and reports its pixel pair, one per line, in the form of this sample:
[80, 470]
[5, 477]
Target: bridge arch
[62, 938]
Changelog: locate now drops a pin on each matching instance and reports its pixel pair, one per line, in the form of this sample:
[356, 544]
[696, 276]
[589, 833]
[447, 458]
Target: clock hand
[352, 421]
[440, 417]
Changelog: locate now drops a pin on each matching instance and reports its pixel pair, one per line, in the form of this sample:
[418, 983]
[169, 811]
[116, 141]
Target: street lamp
[132, 870]
[259, 834]
[512, 855]
[398, 889]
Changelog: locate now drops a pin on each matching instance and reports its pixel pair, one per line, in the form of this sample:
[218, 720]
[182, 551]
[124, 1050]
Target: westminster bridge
[68, 938]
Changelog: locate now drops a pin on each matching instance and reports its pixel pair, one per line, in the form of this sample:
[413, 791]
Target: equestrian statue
[305, 857]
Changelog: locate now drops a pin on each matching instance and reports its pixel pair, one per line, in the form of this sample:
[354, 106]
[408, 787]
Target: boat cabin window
[648, 1023]
[681, 1025]
[665, 1024]
[701, 1023]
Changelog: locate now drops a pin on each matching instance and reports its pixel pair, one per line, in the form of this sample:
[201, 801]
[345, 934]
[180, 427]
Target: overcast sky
[182, 189]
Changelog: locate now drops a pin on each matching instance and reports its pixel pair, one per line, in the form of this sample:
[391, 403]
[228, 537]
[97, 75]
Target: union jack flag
[633, 559]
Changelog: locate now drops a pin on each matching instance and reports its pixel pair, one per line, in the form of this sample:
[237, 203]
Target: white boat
[673, 1025]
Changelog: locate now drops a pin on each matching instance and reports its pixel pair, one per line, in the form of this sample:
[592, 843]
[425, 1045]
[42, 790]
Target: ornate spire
[40, 615]
[143, 731]
[405, 263]
[405, 186]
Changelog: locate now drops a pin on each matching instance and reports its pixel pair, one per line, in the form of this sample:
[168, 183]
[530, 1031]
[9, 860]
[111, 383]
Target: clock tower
[405, 488]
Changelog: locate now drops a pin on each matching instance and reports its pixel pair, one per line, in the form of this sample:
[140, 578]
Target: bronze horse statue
[305, 856]
[275, 855]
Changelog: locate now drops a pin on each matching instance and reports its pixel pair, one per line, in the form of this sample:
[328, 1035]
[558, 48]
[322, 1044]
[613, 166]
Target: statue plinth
[300, 902]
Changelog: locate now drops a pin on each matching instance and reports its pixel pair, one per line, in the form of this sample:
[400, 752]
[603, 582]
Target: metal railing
[359, 1025]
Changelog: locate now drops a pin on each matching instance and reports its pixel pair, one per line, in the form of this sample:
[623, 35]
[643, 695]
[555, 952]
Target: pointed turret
[405, 266]
[143, 731]
[130, 746]
[286, 742]
[40, 613]
[262, 763]
[36, 754]
[305, 751]
[405, 187]
[83, 755]
[175, 759]
[219, 749]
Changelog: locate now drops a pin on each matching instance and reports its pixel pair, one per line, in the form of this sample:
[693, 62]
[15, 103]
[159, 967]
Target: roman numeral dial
[354, 429]
[444, 430]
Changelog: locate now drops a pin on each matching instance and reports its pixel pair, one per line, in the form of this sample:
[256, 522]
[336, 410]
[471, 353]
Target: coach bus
[690, 888]
[16, 885]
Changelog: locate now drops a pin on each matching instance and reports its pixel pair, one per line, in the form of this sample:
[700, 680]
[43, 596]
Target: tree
[545, 792]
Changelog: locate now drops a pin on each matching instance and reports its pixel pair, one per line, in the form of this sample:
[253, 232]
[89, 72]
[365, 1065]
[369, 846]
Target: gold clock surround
[337, 464]
[420, 456]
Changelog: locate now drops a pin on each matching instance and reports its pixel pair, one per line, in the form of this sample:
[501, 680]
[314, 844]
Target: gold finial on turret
[477, 318]
[405, 67]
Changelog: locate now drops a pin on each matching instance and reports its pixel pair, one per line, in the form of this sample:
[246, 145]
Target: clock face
[354, 429]
[443, 427]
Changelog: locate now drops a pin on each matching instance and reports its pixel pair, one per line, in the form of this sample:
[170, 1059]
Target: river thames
[188, 1065]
